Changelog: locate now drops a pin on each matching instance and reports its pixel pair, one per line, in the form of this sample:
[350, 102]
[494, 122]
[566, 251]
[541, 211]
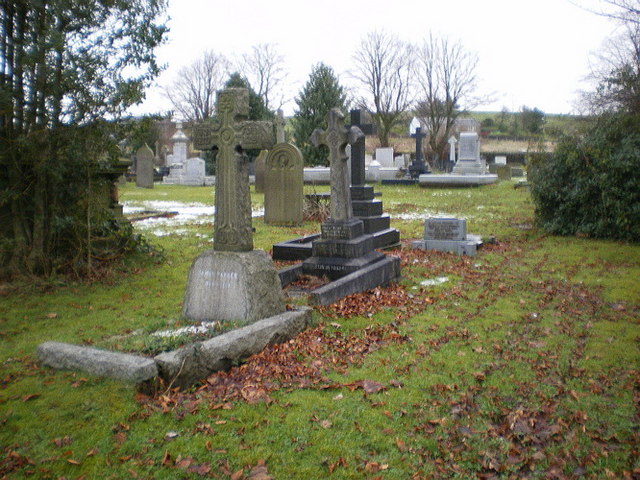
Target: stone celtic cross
[280, 123]
[336, 137]
[232, 135]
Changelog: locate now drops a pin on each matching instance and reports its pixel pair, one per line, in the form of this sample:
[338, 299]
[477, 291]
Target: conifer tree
[321, 93]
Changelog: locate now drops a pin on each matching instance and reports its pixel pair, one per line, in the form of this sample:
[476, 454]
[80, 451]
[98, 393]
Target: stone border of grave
[182, 367]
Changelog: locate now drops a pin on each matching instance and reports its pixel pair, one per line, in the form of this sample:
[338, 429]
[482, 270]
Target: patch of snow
[204, 327]
[430, 282]
[185, 213]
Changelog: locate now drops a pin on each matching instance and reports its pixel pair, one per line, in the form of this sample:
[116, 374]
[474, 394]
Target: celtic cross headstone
[232, 135]
[336, 137]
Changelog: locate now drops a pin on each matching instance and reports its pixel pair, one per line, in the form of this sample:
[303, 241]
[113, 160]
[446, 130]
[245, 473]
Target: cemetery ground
[521, 362]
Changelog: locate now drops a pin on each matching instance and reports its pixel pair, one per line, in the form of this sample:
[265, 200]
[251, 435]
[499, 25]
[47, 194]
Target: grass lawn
[521, 362]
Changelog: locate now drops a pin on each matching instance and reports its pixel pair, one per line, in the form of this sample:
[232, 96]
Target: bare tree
[193, 93]
[383, 67]
[447, 76]
[625, 11]
[615, 68]
[264, 70]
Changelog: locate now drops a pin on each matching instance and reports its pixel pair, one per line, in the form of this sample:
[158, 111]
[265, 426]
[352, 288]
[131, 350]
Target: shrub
[591, 185]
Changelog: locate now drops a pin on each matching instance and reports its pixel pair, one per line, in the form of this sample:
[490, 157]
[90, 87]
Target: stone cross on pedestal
[336, 137]
[358, 169]
[232, 135]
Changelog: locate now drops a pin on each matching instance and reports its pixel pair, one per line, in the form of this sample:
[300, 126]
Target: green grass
[525, 365]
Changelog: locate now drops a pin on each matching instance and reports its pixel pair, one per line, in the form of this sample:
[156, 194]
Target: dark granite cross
[358, 148]
[336, 137]
[418, 166]
[232, 135]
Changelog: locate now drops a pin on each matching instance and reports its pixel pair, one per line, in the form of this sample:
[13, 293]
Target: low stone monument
[448, 235]
[233, 282]
[469, 162]
[144, 167]
[470, 170]
[283, 181]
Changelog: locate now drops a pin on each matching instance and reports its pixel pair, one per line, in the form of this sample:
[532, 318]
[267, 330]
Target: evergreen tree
[321, 93]
[257, 108]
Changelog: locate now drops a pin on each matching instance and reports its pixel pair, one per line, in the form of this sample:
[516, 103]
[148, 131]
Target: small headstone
[259, 171]
[283, 178]
[501, 160]
[448, 235]
[195, 168]
[385, 157]
[517, 172]
[144, 167]
[503, 172]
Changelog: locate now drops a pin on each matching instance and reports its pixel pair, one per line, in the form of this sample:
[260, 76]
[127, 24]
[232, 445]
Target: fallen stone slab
[377, 274]
[194, 362]
[103, 363]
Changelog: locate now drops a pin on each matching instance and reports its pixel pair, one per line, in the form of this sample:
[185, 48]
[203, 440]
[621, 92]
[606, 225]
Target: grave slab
[101, 363]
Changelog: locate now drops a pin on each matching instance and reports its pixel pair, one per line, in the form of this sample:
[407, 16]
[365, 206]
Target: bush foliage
[591, 186]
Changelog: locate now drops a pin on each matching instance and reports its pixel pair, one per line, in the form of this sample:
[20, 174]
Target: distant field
[408, 145]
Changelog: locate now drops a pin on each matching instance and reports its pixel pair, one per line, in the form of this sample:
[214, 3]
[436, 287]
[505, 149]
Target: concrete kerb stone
[194, 362]
[184, 366]
[103, 363]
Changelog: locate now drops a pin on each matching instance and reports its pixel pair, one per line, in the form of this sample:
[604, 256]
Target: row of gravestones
[234, 282]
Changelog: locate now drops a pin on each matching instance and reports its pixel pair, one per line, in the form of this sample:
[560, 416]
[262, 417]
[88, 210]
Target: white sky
[531, 52]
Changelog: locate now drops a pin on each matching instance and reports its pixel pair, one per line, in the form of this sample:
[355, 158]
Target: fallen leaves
[302, 362]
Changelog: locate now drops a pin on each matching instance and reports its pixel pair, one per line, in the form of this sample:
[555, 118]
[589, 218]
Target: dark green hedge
[591, 185]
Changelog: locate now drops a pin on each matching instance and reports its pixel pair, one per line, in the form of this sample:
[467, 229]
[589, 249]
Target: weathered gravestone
[283, 181]
[365, 206]
[283, 194]
[233, 281]
[144, 167]
[448, 235]
[344, 250]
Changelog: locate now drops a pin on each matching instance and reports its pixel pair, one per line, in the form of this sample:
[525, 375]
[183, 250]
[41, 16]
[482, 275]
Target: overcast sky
[531, 52]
